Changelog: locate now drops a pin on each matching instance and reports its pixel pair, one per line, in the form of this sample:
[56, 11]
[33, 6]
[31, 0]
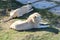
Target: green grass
[39, 35]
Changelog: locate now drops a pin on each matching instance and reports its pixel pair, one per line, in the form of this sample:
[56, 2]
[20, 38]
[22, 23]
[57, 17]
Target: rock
[26, 1]
[56, 0]
[43, 4]
[55, 10]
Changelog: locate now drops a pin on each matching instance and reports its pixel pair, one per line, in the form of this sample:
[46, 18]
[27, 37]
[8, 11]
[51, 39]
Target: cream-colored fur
[31, 22]
[20, 12]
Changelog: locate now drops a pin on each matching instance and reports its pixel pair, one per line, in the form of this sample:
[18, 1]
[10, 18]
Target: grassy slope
[28, 35]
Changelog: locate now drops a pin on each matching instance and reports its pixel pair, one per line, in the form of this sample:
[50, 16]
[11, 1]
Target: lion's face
[36, 18]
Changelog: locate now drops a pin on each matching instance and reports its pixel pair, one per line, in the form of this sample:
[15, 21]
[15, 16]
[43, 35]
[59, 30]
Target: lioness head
[35, 17]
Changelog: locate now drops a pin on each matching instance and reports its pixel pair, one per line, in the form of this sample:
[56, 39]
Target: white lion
[20, 12]
[31, 22]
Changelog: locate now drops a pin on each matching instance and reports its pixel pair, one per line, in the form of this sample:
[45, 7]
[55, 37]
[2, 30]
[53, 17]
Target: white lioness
[20, 12]
[31, 22]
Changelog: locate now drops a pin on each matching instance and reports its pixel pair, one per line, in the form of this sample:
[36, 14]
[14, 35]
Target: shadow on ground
[48, 29]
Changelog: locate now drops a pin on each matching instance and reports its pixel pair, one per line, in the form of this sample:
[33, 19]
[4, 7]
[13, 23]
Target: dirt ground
[6, 25]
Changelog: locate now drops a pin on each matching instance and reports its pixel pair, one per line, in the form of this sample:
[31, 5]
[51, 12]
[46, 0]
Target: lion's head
[35, 17]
